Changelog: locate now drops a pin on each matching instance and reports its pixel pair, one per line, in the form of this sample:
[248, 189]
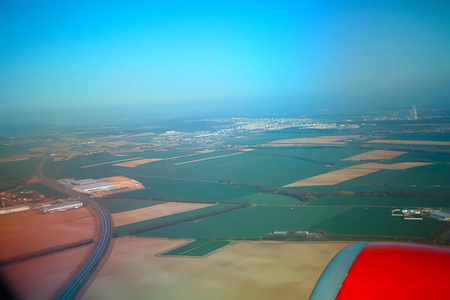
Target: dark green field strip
[116, 205]
[171, 220]
[381, 201]
[376, 221]
[198, 248]
[253, 222]
[268, 199]
[187, 190]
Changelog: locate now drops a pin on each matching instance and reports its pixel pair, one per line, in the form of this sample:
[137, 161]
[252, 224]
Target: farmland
[198, 248]
[202, 195]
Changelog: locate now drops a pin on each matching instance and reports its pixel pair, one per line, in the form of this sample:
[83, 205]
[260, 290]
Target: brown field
[243, 270]
[26, 232]
[43, 277]
[142, 134]
[333, 178]
[134, 163]
[192, 161]
[323, 141]
[398, 166]
[109, 162]
[153, 212]
[410, 142]
[376, 155]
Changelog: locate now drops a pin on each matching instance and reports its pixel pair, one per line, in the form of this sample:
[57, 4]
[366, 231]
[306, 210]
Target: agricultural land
[211, 201]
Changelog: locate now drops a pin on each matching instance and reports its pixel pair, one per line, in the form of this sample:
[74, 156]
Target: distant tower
[413, 113]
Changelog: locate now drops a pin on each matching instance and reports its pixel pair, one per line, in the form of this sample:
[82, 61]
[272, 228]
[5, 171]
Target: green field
[252, 222]
[44, 190]
[116, 205]
[381, 201]
[163, 221]
[198, 248]
[267, 199]
[376, 221]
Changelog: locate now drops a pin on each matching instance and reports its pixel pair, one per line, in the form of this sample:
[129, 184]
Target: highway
[102, 245]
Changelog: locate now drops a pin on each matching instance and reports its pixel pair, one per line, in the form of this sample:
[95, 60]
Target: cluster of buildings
[407, 214]
[88, 185]
[8, 199]
[416, 214]
[60, 205]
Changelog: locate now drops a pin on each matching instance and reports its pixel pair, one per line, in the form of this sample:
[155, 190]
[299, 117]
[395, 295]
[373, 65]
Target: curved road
[102, 245]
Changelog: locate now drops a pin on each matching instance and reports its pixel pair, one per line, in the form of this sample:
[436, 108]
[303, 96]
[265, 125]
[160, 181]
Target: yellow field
[333, 178]
[243, 270]
[398, 166]
[153, 212]
[411, 142]
[376, 155]
[134, 163]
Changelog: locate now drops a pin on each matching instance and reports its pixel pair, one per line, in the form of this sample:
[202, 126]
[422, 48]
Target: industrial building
[62, 206]
[443, 215]
[88, 185]
[14, 209]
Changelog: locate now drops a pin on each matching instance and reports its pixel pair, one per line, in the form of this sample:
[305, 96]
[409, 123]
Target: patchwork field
[410, 142]
[243, 270]
[153, 212]
[376, 155]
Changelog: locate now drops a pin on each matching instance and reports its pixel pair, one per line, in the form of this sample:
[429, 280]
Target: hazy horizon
[196, 57]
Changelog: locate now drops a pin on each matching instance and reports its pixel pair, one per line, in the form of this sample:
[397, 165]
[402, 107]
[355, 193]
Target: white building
[88, 185]
[14, 209]
[62, 206]
[443, 215]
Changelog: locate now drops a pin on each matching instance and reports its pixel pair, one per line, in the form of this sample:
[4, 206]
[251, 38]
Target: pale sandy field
[142, 134]
[192, 161]
[411, 142]
[242, 270]
[152, 212]
[121, 182]
[110, 162]
[352, 172]
[25, 232]
[134, 163]
[323, 141]
[398, 166]
[376, 155]
[43, 277]
[332, 178]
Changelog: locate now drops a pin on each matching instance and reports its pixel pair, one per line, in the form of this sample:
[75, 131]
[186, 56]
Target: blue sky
[81, 54]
